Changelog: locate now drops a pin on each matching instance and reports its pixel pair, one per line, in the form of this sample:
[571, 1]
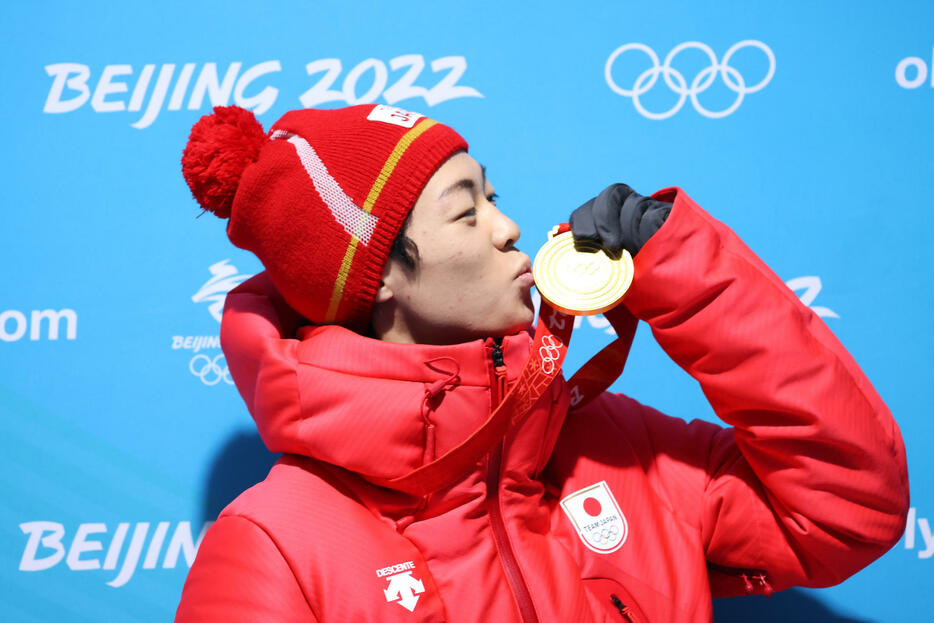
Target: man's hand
[618, 218]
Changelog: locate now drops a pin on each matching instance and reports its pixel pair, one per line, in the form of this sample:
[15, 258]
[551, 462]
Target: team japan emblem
[596, 516]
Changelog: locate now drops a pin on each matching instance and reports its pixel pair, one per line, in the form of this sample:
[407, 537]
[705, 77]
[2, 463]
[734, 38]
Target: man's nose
[506, 233]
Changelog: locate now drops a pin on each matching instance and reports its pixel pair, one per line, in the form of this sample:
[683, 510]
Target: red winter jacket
[609, 512]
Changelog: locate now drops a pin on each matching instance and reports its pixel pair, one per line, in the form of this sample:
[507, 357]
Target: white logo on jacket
[597, 518]
[403, 588]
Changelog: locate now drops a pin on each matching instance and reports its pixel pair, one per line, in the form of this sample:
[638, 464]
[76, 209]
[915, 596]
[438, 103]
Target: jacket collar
[375, 408]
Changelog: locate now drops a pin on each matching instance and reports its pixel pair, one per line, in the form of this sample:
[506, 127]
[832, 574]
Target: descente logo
[46, 547]
[123, 88]
[38, 324]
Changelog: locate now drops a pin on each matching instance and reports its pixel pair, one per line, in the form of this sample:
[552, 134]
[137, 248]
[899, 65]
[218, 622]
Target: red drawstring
[767, 589]
[451, 376]
[762, 579]
[748, 576]
[432, 391]
[429, 402]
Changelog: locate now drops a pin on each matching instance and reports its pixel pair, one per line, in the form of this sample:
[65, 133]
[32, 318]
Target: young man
[411, 303]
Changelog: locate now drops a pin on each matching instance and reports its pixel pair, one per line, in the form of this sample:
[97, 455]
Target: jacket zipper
[519, 588]
[748, 576]
[624, 610]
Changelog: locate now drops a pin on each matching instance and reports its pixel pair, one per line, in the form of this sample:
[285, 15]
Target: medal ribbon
[596, 376]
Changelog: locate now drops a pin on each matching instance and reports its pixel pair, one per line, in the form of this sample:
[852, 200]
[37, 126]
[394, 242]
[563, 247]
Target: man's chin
[523, 321]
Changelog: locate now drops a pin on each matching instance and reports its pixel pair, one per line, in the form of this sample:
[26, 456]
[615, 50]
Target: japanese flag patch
[596, 516]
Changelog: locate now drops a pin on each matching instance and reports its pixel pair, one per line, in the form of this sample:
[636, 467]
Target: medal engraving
[578, 282]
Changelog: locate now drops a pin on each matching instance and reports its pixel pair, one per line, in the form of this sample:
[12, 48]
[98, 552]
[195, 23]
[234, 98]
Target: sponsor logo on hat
[597, 518]
[393, 115]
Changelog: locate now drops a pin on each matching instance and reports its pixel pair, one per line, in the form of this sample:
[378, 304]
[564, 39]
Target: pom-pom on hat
[320, 198]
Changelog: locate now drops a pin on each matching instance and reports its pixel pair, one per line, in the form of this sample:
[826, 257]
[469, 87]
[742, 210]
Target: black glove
[616, 219]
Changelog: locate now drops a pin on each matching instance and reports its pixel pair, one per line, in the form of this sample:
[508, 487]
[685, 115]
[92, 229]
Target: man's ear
[384, 293]
[390, 274]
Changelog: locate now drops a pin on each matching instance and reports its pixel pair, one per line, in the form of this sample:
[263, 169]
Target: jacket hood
[376, 408]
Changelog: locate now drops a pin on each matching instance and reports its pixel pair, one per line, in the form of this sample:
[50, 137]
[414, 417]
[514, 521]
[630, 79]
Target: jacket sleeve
[810, 484]
[240, 575]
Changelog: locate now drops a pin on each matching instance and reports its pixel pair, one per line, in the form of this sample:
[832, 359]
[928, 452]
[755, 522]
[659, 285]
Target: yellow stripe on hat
[344, 271]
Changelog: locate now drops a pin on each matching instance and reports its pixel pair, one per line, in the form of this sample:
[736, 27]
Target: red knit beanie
[320, 198]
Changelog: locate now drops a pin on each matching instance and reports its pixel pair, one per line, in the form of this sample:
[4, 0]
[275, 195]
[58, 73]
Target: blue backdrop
[804, 126]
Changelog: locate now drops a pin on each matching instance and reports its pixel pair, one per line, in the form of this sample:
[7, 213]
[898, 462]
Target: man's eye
[472, 212]
[492, 198]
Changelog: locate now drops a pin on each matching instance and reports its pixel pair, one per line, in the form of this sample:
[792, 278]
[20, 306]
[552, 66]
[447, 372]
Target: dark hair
[405, 251]
[404, 248]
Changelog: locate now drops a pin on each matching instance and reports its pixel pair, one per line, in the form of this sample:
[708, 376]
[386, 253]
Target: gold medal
[577, 282]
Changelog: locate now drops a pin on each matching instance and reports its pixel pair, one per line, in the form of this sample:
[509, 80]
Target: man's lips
[525, 273]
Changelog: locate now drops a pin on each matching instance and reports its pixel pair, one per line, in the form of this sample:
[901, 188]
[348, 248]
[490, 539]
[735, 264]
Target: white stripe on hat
[355, 220]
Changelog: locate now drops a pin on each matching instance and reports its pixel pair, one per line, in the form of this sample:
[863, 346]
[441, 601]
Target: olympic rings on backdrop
[549, 352]
[700, 83]
[210, 371]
